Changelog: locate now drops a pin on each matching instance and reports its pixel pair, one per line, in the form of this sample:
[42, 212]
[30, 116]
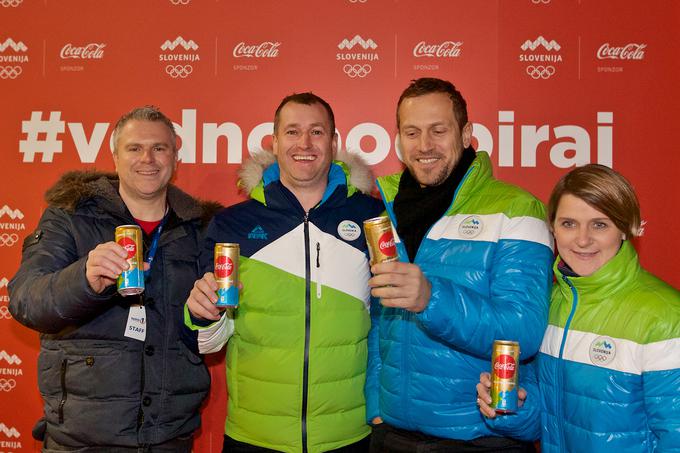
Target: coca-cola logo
[632, 51]
[223, 267]
[504, 366]
[447, 49]
[267, 49]
[129, 245]
[386, 244]
[92, 51]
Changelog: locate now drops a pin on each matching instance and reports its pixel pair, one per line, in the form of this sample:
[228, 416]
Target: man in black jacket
[107, 386]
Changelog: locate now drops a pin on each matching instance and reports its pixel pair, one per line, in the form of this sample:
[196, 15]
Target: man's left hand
[401, 285]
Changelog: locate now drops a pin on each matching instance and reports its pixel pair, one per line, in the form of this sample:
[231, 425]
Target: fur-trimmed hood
[360, 175]
[76, 187]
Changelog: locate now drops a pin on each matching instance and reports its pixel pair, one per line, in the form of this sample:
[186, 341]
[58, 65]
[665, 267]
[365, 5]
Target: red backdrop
[549, 83]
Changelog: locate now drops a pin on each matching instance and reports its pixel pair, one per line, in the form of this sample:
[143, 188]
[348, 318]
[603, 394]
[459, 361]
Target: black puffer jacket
[98, 386]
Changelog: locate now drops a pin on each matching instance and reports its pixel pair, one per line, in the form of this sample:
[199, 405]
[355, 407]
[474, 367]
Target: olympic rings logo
[179, 71]
[7, 385]
[8, 240]
[599, 357]
[364, 1]
[4, 312]
[10, 72]
[180, 2]
[357, 70]
[540, 72]
[536, 2]
[12, 3]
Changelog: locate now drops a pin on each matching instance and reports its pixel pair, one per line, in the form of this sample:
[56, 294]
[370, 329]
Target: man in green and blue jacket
[474, 266]
[297, 344]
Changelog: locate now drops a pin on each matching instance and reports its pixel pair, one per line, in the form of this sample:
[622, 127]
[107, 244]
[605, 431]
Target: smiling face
[145, 159]
[586, 239]
[304, 145]
[431, 140]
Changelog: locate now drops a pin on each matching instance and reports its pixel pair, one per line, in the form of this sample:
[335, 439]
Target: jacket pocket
[64, 391]
[232, 373]
[181, 271]
[189, 374]
[79, 367]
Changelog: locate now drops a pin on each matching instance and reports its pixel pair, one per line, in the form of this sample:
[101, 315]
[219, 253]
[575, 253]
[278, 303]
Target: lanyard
[154, 245]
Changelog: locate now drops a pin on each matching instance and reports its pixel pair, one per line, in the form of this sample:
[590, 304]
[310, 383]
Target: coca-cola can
[226, 273]
[131, 281]
[380, 240]
[504, 376]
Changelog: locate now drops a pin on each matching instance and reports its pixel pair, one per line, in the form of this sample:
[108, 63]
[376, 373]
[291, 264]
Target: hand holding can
[226, 274]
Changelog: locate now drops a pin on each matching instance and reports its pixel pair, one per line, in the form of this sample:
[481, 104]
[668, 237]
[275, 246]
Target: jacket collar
[614, 276]
[480, 169]
[77, 187]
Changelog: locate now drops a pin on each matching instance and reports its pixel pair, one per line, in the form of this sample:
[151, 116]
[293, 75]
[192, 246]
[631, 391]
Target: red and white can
[380, 240]
[226, 274]
[504, 376]
[131, 281]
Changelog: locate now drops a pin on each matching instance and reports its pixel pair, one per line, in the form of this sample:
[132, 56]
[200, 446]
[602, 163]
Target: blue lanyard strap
[154, 244]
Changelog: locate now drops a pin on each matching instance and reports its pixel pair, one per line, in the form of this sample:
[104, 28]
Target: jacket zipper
[410, 318]
[64, 393]
[318, 271]
[560, 362]
[140, 413]
[305, 369]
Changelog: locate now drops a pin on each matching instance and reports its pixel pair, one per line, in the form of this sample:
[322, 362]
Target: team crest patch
[602, 351]
[471, 227]
[349, 230]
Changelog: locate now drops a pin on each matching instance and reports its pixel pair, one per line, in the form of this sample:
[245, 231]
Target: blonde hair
[603, 189]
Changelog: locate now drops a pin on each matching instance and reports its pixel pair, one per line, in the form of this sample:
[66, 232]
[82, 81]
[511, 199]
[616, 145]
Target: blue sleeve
[515, 308]
[372, 386]
[526, 423]
[662, 406]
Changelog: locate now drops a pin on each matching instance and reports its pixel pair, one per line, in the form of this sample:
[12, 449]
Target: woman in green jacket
[609, 364]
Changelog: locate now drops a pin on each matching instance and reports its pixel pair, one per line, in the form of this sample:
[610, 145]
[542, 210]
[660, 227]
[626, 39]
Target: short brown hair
[603, 189]
[307, 98]
[427, 85]
[146, 113]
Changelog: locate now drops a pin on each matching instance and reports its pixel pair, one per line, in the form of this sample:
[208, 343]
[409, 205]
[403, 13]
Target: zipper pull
[318, 272]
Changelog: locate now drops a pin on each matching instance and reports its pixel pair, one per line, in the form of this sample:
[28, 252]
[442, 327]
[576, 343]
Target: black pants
[234, 446]
[177, 445]
[388, 439]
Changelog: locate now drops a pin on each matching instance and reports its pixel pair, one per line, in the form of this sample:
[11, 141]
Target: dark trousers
[177, 445]
[234, 446]
[388, 439]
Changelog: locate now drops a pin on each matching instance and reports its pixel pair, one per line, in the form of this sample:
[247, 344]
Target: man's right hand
[104, 264]
[202, 299]
[484, 396]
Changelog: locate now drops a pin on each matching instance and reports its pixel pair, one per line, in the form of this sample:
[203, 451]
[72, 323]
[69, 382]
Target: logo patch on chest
[602, 351]
[258, 233]
[349, 230]
[471, 227]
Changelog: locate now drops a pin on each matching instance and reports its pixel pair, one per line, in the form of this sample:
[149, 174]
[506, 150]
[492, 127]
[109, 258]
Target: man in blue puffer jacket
[474, 266]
